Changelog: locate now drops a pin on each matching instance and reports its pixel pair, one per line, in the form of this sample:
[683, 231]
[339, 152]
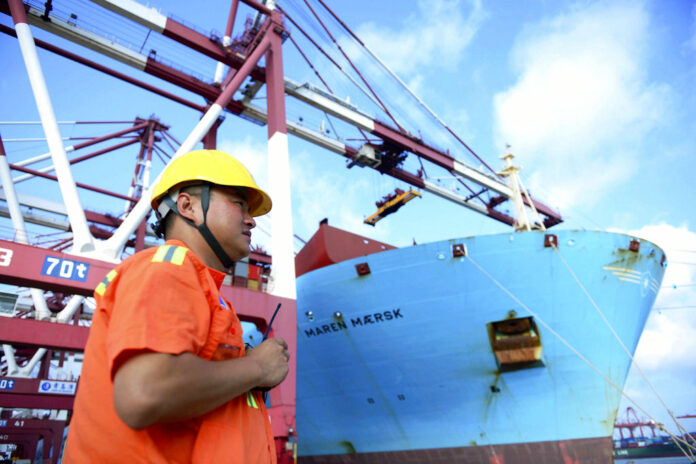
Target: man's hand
[272, 358]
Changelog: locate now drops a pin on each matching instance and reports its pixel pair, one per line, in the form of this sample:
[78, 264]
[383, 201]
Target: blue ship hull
[401, 359]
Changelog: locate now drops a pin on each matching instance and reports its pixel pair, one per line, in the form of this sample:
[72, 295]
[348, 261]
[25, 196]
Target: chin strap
[203, 228]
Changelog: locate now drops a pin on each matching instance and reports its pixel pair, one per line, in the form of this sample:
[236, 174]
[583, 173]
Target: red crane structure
[61, 274]
[93, 251]
[631, 422]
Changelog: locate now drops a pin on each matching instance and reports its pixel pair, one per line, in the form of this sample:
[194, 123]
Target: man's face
[229, 220]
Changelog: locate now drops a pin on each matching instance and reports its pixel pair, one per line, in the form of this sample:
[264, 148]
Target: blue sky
[596, 99]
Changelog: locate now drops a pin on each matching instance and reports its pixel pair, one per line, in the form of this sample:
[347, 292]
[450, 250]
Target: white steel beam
[352, 116]
[24, 177]
[282, 281]
[331, 105]
[87, 39]
[42, 311]
[482, 179]
[259, 114]
[83, 240]
[60, 223]
[283, 273]
[33, 217]
[36, 159]
[37, 203]
[454, 196]
[141, 14]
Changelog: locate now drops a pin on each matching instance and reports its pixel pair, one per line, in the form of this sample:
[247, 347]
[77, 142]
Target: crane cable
[406, 87]
[309, 63]
[384, 66]
[318, 47]
[357, 71]
[677, 440]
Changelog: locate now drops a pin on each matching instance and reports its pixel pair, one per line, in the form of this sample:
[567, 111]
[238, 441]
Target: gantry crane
[98, 242]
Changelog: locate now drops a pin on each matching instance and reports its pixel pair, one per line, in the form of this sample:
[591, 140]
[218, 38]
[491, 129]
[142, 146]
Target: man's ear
[189, 206]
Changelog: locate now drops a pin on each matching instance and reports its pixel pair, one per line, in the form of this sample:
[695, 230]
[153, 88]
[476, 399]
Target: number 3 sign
[5, 257]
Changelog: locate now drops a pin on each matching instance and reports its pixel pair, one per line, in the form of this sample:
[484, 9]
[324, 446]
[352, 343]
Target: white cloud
[430, 40]
[252, 153]
[581, 103]
[435, 35]
[673, 385]
[333, 194]
[667, 342]
[679, 243]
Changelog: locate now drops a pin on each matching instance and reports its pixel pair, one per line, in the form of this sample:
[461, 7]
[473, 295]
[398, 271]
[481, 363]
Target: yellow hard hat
[212, 166]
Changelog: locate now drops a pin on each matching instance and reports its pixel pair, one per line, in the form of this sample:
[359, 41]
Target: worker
[166, 376]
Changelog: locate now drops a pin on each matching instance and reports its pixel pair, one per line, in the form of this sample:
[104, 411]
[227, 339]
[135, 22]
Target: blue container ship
[446, 351]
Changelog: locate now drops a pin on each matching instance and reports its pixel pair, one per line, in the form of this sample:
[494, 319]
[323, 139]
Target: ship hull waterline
[586, 451]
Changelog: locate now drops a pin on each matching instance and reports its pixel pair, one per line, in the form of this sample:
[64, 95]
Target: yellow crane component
[390, 204]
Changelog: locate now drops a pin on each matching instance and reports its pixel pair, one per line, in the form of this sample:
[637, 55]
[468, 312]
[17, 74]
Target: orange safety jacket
[164, 300]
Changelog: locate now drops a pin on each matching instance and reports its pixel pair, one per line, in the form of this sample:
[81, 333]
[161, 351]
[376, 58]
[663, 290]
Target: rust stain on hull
[582, 451]
[626, 258]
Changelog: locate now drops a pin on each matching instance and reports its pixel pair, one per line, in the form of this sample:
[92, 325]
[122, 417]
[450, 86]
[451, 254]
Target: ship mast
[519, 193]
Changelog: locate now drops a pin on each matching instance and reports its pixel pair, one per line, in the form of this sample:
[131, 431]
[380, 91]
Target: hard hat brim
[259, 202]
